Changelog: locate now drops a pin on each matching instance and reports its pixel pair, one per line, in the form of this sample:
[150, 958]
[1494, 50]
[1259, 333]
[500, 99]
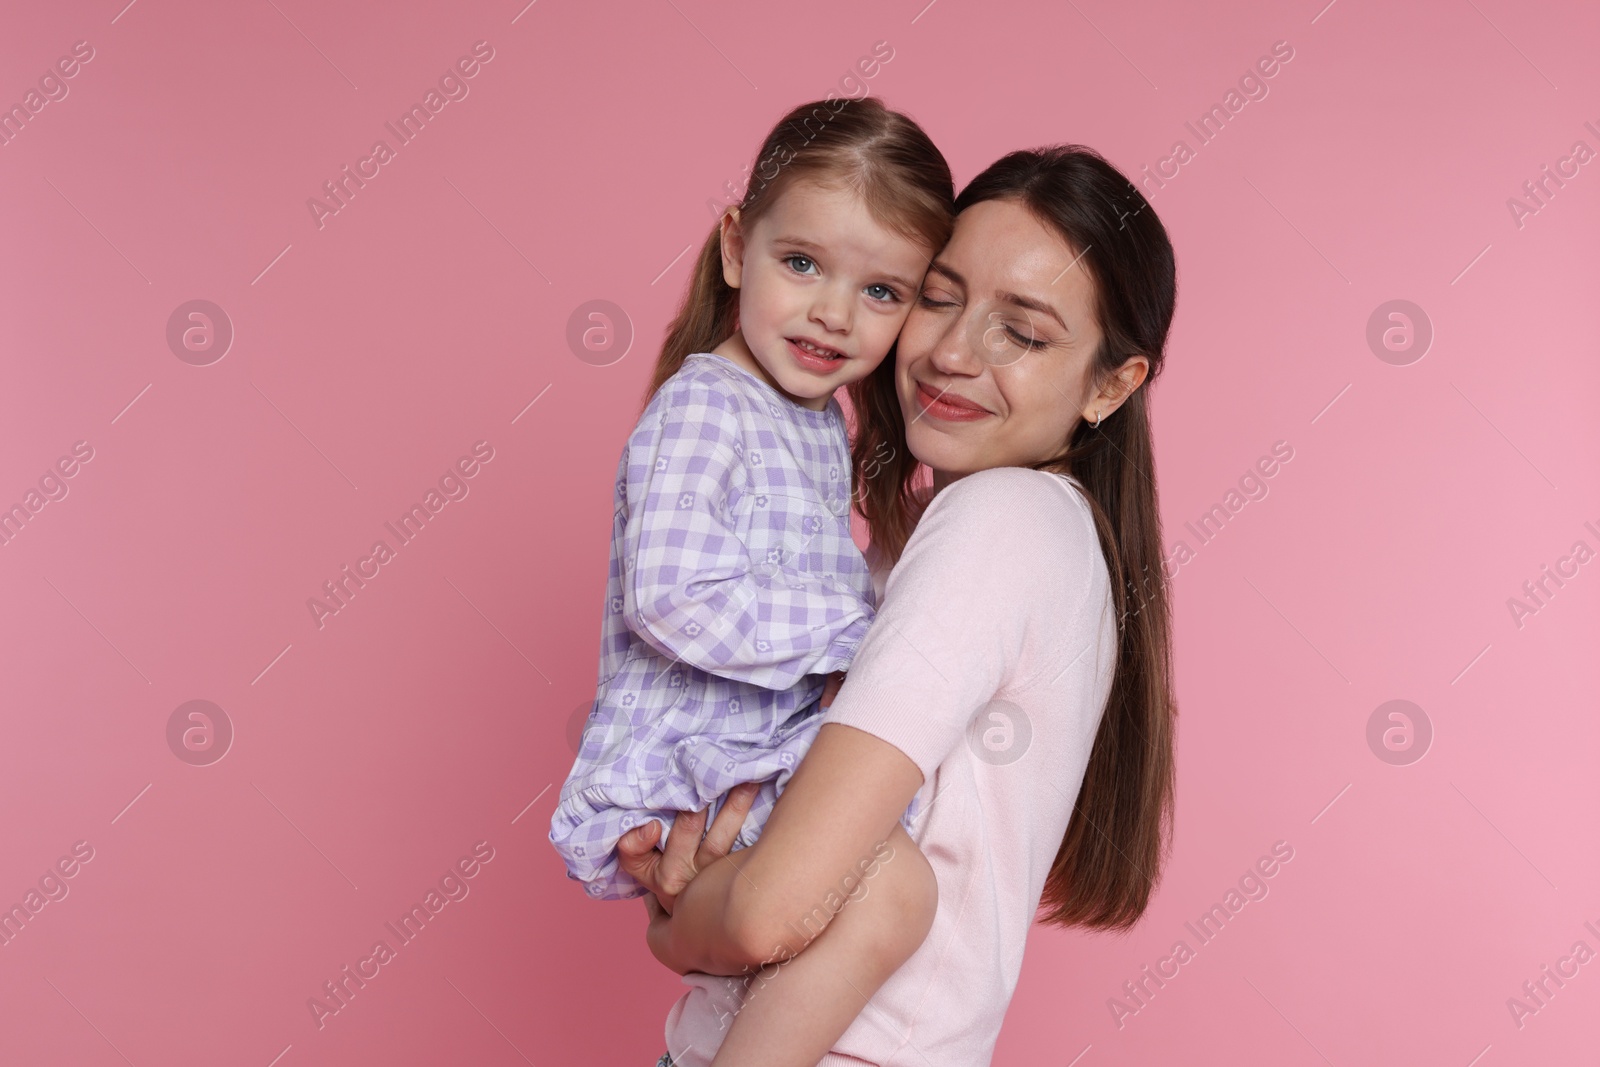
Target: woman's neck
[941, 479]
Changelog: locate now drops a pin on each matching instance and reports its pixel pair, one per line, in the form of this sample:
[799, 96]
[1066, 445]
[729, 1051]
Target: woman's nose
[953, 354]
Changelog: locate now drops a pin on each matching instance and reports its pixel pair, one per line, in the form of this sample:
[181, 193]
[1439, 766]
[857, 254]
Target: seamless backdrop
[242, 346]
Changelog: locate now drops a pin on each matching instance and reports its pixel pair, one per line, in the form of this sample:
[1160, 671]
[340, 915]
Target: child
[734, 587]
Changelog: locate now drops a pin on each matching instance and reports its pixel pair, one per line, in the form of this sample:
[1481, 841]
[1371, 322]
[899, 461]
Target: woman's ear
[1118, 387]
[732, 248]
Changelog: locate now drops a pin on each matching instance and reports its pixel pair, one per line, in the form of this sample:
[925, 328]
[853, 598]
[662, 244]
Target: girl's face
[823, 290]
[993, 367]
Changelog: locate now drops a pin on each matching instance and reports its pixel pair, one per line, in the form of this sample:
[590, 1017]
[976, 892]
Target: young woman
[1029, 601]
[734, 586]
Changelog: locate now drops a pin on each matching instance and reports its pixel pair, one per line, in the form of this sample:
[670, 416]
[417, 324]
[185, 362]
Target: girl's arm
[691, 587]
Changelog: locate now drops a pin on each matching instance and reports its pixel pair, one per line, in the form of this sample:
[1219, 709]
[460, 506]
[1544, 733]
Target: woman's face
[993, 363]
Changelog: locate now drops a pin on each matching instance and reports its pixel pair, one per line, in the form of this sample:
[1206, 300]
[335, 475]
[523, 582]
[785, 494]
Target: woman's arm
[766, 902]
[942, 645]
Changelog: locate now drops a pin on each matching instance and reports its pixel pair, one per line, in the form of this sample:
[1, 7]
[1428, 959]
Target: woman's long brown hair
[882, 154]
[1110, 859]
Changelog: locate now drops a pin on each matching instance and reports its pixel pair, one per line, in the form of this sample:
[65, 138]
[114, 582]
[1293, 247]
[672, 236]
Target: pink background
[435, 710]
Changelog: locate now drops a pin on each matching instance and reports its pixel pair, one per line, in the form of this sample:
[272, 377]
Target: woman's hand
[726, 914]
[683, 940]
[690, 848]
[658, 936]
[666, 872]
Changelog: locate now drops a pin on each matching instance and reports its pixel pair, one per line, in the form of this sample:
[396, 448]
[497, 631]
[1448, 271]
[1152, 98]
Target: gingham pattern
[734, 589]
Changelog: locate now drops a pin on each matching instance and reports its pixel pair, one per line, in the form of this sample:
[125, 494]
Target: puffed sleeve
[691, 588]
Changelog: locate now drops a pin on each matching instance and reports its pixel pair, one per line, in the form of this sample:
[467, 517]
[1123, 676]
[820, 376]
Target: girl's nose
[832, 310]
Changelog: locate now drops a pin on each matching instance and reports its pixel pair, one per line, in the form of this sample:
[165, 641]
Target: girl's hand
[666, 872]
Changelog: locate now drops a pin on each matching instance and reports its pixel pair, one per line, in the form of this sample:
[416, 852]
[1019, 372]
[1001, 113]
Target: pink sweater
[989, 666]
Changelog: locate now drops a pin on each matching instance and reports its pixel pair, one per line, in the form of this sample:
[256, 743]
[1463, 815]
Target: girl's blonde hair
[881, 154]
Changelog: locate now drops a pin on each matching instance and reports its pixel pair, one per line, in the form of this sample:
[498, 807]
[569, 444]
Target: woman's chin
[937, 447]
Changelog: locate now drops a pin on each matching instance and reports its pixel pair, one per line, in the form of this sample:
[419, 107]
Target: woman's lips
[948, 406]
[811, 360]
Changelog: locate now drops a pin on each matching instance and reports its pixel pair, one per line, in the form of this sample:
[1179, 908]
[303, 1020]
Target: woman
[1021, 652]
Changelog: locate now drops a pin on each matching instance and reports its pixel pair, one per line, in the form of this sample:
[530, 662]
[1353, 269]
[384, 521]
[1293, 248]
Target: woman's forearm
[698, 937]
[767, 902]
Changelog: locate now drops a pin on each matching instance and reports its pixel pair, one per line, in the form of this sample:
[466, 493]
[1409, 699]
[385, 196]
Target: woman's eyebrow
[1003, 295]
[1029, 302]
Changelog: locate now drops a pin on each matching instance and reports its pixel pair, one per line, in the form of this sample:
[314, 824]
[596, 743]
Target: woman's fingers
[725, 828]
[677, 859]
[637, 854]
[689, 848]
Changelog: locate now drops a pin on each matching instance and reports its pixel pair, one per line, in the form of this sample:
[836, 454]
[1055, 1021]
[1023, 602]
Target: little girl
[734, 588]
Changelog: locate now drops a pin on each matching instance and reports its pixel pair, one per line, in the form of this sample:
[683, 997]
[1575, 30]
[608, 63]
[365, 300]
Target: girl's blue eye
[805, 262]
[882, 292]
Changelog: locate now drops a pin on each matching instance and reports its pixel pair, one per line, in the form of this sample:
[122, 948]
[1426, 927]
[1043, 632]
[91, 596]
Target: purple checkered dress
[734, 589]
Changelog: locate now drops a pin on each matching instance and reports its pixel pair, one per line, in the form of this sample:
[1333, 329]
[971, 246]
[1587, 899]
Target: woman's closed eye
[1024, 335]
[1025, 340]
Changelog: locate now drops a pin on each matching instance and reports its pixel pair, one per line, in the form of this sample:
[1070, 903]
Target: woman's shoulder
[1018, 497]
[1029, 532]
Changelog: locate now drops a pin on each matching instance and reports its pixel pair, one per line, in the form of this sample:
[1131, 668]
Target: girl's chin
[807, 389]
[802, 388]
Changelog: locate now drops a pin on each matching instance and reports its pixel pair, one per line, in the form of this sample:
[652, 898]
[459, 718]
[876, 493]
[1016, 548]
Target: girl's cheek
[890, 332]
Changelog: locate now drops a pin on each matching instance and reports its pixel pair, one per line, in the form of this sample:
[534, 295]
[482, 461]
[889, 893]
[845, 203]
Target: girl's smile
[824, 287]
[819, 358]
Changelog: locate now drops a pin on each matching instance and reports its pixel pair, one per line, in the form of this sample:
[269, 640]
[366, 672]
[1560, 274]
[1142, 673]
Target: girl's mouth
[948, 406]
[819, 359]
